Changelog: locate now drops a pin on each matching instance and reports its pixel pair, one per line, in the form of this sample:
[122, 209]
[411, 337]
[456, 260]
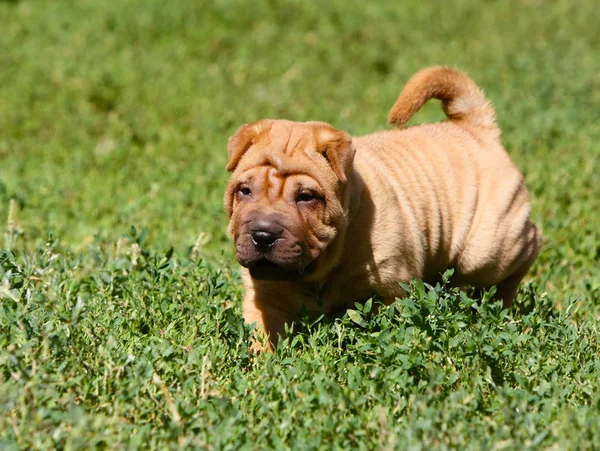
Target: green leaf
[356, 317]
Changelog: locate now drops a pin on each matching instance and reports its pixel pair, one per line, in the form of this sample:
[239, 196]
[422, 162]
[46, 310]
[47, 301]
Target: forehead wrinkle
[252, 173]
[266, 180]
[280, 135]
[273, 182]
[299, 139]
[287, 165]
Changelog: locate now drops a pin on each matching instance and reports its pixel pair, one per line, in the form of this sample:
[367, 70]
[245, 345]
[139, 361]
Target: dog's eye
[306, 196]
[244, 191]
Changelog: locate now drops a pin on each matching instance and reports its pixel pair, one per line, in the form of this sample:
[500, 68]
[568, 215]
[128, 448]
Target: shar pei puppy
[321, 219]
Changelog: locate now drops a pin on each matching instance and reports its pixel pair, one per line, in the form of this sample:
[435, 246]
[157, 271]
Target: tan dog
[321, 220]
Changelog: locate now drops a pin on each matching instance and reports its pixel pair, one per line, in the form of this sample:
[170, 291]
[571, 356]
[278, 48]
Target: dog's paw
[259, 345]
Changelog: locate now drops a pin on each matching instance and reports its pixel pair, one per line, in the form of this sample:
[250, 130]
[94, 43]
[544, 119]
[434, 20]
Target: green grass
[120, 319]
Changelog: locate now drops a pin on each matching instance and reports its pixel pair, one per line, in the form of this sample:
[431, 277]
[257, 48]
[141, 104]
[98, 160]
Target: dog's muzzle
[265, 234]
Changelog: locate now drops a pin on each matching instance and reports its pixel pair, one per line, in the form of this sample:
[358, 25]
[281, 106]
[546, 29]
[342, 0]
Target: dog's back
[450, 190]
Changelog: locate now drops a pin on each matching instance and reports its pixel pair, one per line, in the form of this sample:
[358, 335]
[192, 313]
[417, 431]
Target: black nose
[264, 233]
[262, 238]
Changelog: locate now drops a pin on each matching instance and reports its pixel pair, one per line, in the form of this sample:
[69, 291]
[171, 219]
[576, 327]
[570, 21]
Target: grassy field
[120, 319]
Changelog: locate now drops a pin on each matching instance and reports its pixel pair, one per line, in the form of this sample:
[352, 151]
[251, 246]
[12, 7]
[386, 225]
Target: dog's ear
[242, 140]
[336, 146]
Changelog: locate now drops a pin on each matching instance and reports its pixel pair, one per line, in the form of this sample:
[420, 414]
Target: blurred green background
[115, 114]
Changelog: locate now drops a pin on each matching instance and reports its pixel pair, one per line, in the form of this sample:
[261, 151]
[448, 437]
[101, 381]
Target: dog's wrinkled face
[283, 198]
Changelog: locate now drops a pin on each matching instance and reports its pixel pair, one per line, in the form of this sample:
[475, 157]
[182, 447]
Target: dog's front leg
[253, 315]
[269, 310]
[269, 323]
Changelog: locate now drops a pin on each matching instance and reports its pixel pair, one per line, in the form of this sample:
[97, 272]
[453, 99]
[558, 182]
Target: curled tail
[462, 100]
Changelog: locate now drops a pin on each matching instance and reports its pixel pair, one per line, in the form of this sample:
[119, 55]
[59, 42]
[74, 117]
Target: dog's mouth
[265, 269]
[263, 263]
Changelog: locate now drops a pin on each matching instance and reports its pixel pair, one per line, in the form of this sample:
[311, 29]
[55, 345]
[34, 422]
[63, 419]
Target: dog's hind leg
[507, 289]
